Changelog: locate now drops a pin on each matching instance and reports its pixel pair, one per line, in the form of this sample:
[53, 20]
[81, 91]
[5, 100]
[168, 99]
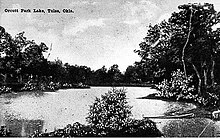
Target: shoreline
[199, 111]
[123, 85]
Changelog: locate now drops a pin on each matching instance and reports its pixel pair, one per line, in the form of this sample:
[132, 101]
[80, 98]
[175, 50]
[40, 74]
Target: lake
[26, 112]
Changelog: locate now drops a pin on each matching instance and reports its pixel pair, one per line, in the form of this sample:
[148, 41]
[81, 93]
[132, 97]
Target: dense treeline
[23, 62]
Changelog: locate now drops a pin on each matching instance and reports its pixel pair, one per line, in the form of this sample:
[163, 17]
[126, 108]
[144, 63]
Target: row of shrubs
[30, 86]
[109, 115]
[181, 88]
[136, 128]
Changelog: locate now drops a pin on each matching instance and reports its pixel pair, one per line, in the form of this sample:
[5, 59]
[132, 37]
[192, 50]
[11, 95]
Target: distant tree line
[23, 61]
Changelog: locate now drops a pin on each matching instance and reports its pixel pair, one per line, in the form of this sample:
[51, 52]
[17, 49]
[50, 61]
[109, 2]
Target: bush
[75, 130]
[110, 113]
[181, 88]
[178, 87]
[111, 116]
[143, 128]
[31, 86]
[211, 97]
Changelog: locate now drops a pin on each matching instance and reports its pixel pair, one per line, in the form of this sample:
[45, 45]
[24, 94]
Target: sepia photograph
[109, 68]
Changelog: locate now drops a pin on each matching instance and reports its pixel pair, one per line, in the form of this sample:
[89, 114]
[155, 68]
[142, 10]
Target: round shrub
[110, 113]
[179, 87]
[111, 116]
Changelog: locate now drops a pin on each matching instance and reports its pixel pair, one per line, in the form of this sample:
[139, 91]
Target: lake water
[26, 112]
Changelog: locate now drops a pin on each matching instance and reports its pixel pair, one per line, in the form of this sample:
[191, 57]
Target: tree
[78, 74]
[5, 64]
[202, 42]
[19, 55]
[131, 74]
[159, 58]
[186, 41]
[137, 73]
[100, 76]
[57, 71]
[114, 74]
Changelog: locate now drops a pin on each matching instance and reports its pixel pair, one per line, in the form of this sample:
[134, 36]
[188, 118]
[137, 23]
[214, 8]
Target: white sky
[100, 32]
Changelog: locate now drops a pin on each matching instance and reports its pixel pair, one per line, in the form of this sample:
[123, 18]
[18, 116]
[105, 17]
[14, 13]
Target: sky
[97, 33]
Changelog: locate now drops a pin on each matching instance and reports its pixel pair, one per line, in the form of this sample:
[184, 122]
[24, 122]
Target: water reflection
[23, 127]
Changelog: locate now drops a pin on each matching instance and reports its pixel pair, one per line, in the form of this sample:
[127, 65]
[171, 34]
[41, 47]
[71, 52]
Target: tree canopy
[187, 41]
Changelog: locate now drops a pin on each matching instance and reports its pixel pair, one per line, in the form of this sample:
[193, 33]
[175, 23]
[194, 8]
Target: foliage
[4, 132]
[110, 113]
[19, 55]
[181, 88]
[5, 89]
[75, 130]
[22, 59]
[111, 116]
[189, 38]
[133, 74]
[137, 128]
[114, 74]
[203, 46]
[178, 87]
[31, 86]
[142, 128]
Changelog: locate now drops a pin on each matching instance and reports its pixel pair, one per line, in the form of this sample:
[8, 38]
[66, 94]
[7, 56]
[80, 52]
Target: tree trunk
[205, 73]
[200, 79]
[184, 47]
[212, 72]
[4, 77]
[20, 78]
[205, 79]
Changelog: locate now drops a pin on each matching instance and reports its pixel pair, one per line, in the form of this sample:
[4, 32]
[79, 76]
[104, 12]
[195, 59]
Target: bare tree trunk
[212, 72]
[4, 77]
[200, 79]
[20, 78]
[184, 47]
[205, 74]
[205, 79]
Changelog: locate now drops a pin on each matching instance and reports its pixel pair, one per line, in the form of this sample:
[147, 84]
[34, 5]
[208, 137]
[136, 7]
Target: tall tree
[201, 45]
[100, 76]
[156, 52]
[19, 55]
[186, 41]
[114, 74]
